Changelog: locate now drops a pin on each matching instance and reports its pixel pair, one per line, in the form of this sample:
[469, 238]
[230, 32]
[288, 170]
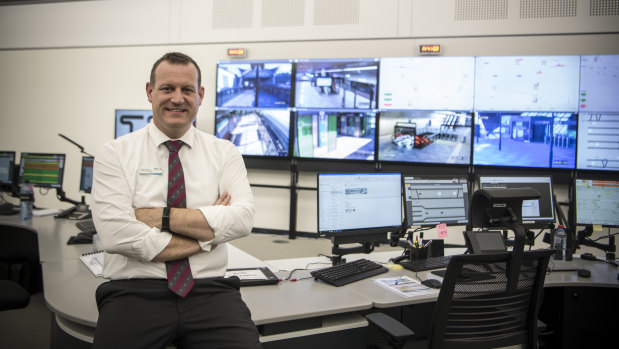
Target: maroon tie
[180, 280]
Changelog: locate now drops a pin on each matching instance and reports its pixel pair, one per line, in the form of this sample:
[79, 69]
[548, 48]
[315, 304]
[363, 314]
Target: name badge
[151, 171]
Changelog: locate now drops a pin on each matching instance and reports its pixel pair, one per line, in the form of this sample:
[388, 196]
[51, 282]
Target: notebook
[94, 262]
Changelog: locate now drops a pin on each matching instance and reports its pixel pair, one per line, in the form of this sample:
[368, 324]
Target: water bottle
[560, 243]
[26, 201]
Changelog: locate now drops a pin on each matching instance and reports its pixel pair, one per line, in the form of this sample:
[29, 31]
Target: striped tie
[180, 280]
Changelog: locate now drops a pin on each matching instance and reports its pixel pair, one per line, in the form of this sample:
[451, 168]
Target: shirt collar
[158, 137]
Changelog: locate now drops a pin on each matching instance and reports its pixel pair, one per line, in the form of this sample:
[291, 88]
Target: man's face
[175, 97]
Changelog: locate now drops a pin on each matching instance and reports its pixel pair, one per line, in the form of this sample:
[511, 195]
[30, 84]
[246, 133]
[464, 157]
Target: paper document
[404, 286]
[94, 262]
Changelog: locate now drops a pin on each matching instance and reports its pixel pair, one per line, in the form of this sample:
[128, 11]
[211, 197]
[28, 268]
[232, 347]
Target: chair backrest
[19, 255]
[480, 305]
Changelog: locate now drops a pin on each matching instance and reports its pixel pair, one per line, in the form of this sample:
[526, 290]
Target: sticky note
[597, 227]
[441, 229]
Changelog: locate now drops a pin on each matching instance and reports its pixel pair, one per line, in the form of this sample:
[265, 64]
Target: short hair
[175, 58]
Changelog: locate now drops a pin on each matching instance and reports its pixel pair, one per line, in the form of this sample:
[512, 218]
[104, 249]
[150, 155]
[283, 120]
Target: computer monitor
[86, 174]
[535, 213]
[336, 83]
[334, 134]
[251, 84]
[257, 132]
[129, 120]
[430, 201]
[433, 136]
[525, 139]
[599, 83]
[427, 83]
[7, 164]
[359, 207]
[527, 83]
[598, 141]
[597, 202]
[42, 169]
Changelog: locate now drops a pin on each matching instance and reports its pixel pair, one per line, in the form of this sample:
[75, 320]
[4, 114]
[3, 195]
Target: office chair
[19, 256]
[481, 304]
[489, 300]
[12, 295]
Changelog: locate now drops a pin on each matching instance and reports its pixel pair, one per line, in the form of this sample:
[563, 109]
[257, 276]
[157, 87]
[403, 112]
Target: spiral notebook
[94, 262]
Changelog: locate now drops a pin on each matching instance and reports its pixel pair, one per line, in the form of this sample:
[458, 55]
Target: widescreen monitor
[434, 200]
[525, 139]
[129, 120]
[599, 84]
[597, 202]
[440, 137]
[255, 131]
[337, 84]
[539, 213]
[334, 134]
[250, 84]
[7, 164]
[42, 169]
[359, 203]
[427, 83]
[527, 83]
[598, 141]
[86, 174]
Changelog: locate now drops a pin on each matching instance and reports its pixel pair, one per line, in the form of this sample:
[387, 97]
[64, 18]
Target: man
[164, 211]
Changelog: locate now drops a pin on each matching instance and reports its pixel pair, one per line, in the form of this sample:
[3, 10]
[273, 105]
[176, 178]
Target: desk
[282, 311]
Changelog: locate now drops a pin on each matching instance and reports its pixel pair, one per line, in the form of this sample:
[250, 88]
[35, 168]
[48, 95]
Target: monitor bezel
[537, 223]
[357, 234]
[436, 177]
[43, 185]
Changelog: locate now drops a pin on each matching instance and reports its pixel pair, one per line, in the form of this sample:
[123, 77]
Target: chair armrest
[392, 328]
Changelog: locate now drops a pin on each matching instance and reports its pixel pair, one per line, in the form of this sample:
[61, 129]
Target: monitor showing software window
[86, 174]
[357, 204]
[435, 200]
[597, 202]
[535, 213]
[7, 163]
[42, 170]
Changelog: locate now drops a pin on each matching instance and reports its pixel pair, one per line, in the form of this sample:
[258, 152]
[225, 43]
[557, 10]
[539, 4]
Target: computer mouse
[585, 273]
[432, 283]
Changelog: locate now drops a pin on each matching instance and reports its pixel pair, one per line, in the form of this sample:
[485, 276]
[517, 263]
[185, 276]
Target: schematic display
[435, 201]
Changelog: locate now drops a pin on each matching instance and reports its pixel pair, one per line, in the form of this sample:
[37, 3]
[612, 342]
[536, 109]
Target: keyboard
[348, 272]
[426, 264]
[87, 225]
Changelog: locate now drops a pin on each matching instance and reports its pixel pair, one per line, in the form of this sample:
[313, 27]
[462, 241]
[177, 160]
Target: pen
[397, 281]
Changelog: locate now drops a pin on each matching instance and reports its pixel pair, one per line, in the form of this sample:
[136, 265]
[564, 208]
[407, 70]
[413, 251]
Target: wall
[65, 67]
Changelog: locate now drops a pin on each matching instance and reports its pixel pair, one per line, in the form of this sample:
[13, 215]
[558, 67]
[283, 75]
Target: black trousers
[144, 313]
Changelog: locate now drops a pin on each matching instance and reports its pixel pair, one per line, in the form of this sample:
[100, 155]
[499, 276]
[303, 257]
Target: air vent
[283, 13]
[330, 12]
[479, 10]
[548, 8]
[231, 14]
[604, 8]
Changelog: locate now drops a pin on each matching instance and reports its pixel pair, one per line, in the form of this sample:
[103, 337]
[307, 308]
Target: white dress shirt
[132, 172]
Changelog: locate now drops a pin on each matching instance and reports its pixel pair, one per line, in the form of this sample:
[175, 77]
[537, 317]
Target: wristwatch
[165, 219]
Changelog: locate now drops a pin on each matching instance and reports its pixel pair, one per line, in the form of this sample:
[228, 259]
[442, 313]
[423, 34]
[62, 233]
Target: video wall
[517, 111]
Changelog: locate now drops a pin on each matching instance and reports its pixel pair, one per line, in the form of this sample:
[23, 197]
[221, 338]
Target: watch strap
[165, 219]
